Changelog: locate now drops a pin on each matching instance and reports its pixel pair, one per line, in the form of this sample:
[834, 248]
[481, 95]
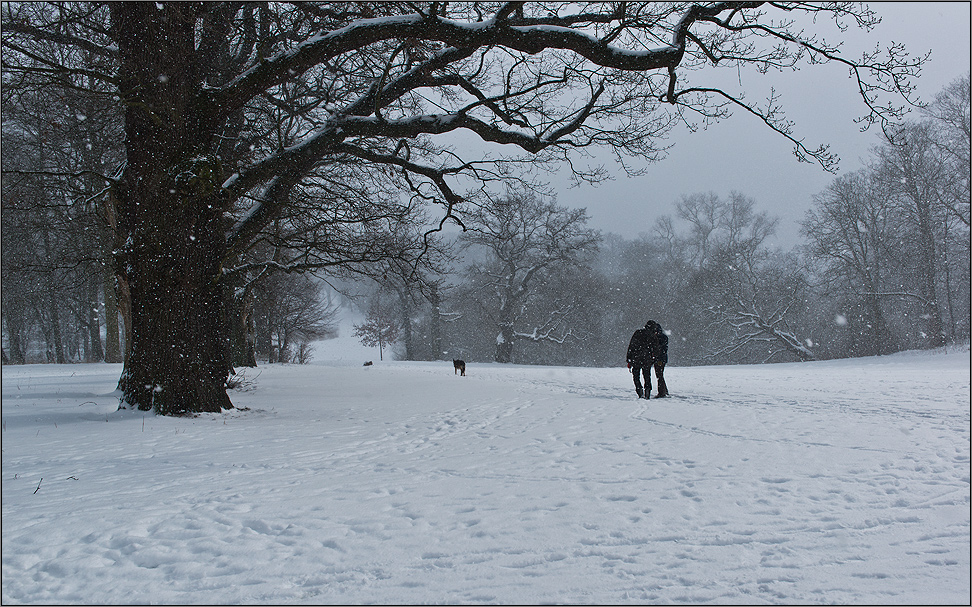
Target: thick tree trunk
[177, 363]
[881, 341]
[169, 207]
[506, 337]
[17, 355]
[178, 360]
[504, 345]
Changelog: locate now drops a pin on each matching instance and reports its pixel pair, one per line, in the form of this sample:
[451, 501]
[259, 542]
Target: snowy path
[831, 482]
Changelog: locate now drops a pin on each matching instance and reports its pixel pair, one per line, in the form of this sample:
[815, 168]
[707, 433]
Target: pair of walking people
[648, 349]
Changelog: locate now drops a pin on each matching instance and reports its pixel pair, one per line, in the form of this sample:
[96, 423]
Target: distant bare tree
[704, 214]
[916, 176]
[851, 233]
[759, 306]
[892, 240]
[729, 298]
[950, 116]
[528, 239]
[950, 113]
[380, 327]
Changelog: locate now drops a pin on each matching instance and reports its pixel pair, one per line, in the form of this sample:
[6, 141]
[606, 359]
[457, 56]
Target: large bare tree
[851, 233]
[529, 241]
[916, 176]
[366, 89]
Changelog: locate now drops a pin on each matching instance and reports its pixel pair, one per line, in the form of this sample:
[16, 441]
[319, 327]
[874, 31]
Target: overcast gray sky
[739, 154]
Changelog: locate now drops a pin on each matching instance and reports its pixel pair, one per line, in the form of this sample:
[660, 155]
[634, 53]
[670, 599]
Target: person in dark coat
[648, 348]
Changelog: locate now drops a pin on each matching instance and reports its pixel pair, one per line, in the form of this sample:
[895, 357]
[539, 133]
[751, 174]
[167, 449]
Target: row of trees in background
[885, 267]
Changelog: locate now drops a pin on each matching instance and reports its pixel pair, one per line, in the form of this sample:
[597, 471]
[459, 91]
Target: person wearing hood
[648, 348]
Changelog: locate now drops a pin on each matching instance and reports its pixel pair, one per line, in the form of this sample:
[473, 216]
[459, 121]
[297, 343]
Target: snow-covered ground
[830, 482]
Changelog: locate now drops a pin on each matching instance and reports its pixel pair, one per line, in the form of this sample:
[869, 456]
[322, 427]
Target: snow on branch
[545, 330]
[750, 326]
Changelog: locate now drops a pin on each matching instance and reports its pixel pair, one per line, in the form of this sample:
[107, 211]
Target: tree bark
[242, 327]
[880, 340]
[169, 206]
[504, 343]
[177, 362]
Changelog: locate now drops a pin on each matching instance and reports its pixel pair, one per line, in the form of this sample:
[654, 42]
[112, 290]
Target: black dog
[460, 366]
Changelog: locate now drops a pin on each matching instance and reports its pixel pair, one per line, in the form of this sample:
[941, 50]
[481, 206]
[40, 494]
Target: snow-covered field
[830, 482]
